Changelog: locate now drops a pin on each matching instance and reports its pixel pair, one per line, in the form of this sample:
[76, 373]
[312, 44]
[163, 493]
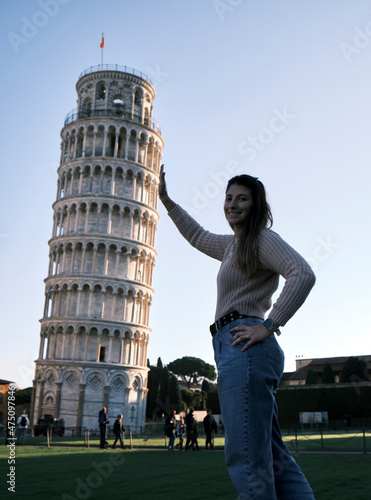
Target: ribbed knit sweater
[252, 296]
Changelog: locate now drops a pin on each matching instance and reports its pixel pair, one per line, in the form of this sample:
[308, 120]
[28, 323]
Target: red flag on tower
[102, 44]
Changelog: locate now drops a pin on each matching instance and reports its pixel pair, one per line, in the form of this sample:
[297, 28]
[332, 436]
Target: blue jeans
[171, 440]
[118, 437]
[259, 464]
[102, 428]
[21, 435]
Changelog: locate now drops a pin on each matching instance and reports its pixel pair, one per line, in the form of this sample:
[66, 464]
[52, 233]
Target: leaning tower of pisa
[98, 293]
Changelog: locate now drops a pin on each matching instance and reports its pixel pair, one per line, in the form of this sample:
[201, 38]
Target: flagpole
[102, 47]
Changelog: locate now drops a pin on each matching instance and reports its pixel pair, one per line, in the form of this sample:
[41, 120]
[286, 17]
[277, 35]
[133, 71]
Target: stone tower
[98, 293]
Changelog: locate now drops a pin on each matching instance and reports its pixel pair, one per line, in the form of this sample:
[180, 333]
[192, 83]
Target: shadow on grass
[69, 474]
[49, 473]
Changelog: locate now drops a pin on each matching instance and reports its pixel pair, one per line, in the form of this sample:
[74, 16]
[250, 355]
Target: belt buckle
[217, 325]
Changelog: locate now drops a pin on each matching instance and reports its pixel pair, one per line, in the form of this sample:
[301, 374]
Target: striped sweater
[252, 296]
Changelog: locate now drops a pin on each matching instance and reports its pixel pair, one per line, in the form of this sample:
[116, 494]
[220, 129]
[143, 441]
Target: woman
[248, 357]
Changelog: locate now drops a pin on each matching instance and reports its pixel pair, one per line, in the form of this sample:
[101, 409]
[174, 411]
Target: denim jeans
[21, 435]
[259, 464]
[118, 437]
[102, 428]
[171, 440]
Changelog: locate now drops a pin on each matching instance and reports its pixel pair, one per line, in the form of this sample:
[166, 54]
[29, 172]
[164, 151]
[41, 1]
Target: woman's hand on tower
[162, 191]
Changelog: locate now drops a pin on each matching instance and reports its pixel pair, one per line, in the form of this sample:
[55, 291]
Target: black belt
[228, 318]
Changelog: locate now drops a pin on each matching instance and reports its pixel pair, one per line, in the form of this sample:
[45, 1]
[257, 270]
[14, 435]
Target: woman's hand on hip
[249, 334]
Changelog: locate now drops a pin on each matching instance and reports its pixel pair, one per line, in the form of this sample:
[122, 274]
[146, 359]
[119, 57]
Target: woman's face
[237, 206]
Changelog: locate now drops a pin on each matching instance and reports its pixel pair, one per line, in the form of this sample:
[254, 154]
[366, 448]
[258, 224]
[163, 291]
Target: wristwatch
[271, 327]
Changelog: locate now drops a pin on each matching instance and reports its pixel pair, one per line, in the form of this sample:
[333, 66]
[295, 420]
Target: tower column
[94, 142]
[46, 305]
[41, 384]
[85, 358]
[109, 357]
[104, 143]
[126, 406]
[83, 143]
[109, 222]
[122, 351]
[80, 181]
[78, 313]
[69, 147]
[41, 347]
[58, 399]
[63, 343]
[126, 146]
[74, 345]
[83, 251]
[73, 257]
[32, 409]
[116, 145]
[48, 350]
[68, 217]
[80, 407]
[113, 308]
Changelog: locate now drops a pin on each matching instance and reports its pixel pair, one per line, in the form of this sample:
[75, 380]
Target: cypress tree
[328, 376]
[174, 392]
[311, 377]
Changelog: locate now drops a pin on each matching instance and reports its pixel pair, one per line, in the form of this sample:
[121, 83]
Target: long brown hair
[260, 217]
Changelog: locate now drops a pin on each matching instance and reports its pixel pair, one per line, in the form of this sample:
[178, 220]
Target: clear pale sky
[276, 89]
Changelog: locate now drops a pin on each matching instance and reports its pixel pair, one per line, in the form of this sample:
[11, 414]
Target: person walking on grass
[248, 357]
[103, 422]
[208, 428]
[118, 431]
[190, 430]
[170, 426]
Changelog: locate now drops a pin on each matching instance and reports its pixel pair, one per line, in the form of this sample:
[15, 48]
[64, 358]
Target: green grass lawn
[332, 441]
[71, 472]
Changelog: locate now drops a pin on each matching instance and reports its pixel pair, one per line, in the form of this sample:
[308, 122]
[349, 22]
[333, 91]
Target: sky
[276, 89]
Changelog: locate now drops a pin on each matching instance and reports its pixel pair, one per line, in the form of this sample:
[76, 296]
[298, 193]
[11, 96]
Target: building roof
[317, 365]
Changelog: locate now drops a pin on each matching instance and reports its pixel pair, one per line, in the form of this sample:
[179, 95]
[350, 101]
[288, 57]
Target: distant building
[4, 387]
[298, 377]
[193, 387]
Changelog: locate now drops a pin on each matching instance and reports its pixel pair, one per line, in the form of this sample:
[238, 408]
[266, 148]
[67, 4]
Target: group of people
[118, 429]
[174, 428]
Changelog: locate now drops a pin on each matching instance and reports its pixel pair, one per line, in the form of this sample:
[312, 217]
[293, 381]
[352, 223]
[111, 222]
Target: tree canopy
[191, 369]
[23, 396]
[354, 370]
